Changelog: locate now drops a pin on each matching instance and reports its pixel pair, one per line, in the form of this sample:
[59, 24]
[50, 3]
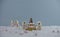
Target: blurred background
[46, 11]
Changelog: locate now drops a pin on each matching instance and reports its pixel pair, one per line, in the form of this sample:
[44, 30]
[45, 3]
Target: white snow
[47, 31]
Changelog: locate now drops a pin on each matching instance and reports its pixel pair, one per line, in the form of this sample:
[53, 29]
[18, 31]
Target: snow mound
[46, 31]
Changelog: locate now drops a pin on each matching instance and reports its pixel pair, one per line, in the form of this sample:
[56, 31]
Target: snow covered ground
[47, 31]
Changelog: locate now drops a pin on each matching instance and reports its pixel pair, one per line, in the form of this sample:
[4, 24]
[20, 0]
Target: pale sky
[46, 11]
